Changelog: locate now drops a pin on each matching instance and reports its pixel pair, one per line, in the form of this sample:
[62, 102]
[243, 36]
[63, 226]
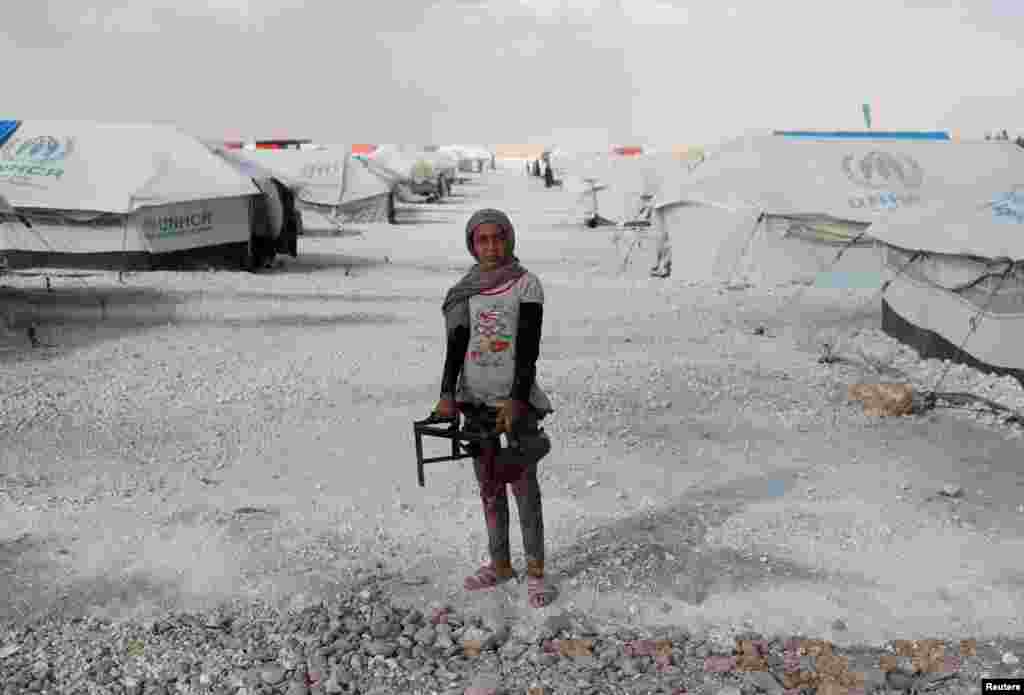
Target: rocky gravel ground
[360, 642]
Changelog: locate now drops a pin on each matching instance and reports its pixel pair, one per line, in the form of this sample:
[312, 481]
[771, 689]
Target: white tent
[327, 176]
[854, 180]
[332, 185]
[105, 167]
[444, 162]
[398, 166]
[777, 194]
[951, 262]
[469, 151]
[122, 194]
[470, 158]
[616, 183]
[410, 166]
[249, 164]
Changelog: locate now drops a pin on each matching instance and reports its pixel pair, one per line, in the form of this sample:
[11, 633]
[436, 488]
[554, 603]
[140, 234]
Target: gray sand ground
[700, 474]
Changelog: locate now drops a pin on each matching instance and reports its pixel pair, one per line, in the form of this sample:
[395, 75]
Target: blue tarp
[848, 280]
[864, 135]
[7, 129]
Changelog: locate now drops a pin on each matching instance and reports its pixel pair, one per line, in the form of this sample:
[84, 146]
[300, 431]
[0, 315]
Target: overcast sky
[577, 74]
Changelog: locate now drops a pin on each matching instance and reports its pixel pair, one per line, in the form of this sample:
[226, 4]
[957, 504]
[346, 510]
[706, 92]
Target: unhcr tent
[957, 276]
[328, 176]
[279, 191]
[773, 209]
[329, 180]
[121, 195]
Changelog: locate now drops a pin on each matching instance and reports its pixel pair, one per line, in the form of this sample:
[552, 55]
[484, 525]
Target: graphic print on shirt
[493, 337]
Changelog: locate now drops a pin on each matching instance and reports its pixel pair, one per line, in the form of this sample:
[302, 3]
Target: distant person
[549, 178]
[646, 208]
[493, 318]
[663, 240]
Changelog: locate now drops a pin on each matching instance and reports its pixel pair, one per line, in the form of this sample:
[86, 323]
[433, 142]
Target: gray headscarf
[456, 302]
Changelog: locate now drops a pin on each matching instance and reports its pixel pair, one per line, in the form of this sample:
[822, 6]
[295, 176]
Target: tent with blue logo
[956, 271]
[120, 195]
[778, 208]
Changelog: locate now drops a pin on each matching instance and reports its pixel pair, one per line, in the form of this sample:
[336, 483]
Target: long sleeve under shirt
[497, 355]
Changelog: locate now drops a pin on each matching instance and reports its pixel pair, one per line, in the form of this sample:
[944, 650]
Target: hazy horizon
[648, 72]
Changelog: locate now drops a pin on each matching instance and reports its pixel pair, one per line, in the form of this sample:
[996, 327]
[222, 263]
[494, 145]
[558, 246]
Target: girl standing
[493, 322]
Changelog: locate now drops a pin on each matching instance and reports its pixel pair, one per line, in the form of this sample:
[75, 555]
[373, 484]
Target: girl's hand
[509, 413]
[445, 408]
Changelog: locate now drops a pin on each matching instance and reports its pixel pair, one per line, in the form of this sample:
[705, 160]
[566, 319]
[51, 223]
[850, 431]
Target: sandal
[486, 577]
[539, 594]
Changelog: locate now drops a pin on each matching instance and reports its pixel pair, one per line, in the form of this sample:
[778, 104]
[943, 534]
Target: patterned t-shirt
[489, 369]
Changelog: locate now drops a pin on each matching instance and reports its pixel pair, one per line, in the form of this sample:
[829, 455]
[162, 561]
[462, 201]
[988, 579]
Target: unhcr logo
[39, 149]
[883, 170]
[879, 170]
[1009, 207]
[319, 170]
[177, 225]
[39, 156]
